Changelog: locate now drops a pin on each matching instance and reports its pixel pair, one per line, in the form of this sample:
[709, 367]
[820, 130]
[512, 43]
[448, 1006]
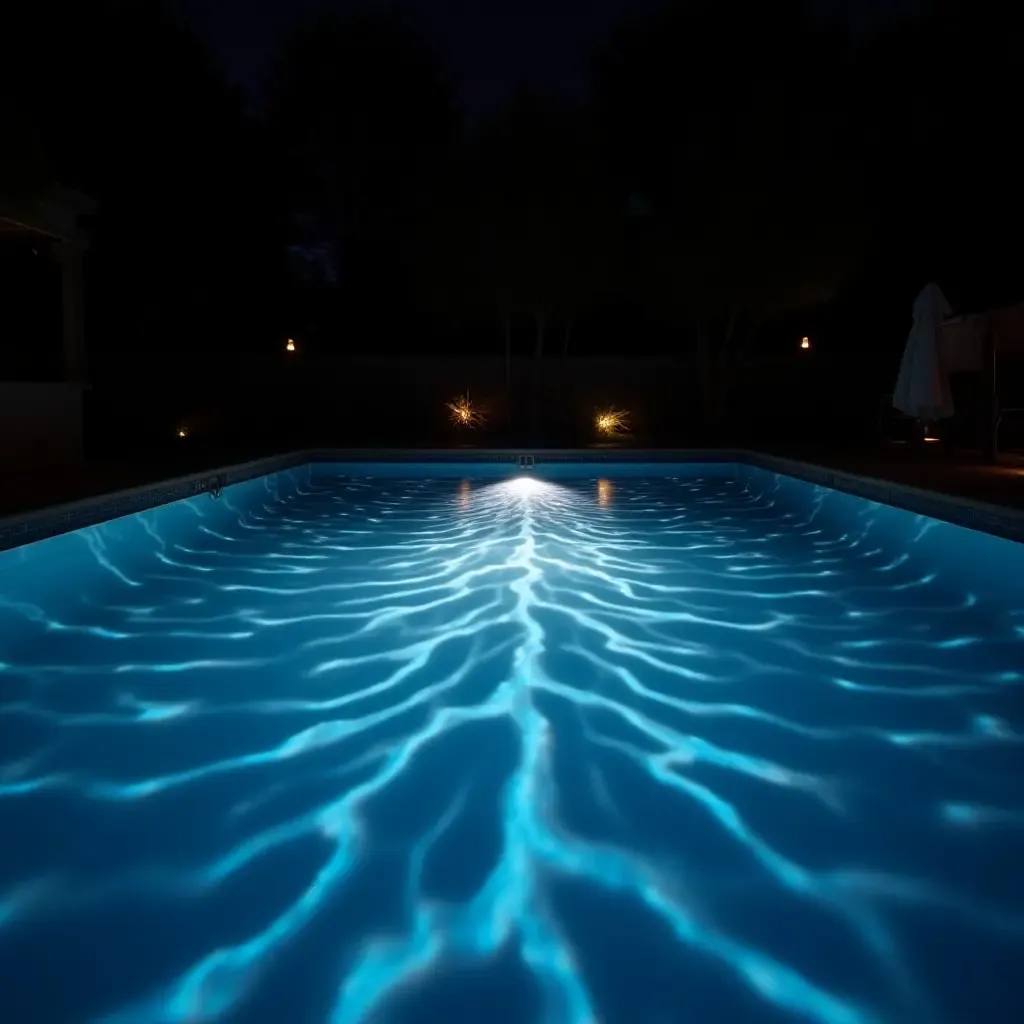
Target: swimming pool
[618, 743]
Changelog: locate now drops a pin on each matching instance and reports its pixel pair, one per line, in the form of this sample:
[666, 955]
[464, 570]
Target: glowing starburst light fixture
[182, 432]
[612, 422]
[289, 345]
[805, 342]
[464, 413]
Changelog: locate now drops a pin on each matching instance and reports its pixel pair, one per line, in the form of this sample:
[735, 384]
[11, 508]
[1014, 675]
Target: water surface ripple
[640, 750]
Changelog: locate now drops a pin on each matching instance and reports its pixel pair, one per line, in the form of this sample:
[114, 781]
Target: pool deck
[931, 474]
[961, 476]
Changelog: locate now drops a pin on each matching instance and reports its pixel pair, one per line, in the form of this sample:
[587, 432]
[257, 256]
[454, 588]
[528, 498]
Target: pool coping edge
[28, 527]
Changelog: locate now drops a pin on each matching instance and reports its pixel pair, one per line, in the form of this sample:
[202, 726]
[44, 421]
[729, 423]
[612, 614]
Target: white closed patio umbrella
[922, 387]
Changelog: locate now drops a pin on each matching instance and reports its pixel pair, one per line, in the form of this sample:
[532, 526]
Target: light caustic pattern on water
[641, 750]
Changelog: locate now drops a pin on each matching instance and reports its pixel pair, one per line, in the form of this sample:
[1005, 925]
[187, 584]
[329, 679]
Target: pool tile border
[975, 515]
[27, 528]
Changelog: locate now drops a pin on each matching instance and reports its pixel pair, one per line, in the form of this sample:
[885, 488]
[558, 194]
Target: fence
[293, 400]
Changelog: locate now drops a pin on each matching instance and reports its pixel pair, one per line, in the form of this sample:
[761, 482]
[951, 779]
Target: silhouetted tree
[458, 255]
[361, 114]
[519, 227]
[720, 122]
[937, 100]
[131, 111]
[546, 209]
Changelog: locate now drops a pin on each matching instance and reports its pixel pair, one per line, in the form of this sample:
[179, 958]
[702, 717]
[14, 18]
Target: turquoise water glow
[416, 744]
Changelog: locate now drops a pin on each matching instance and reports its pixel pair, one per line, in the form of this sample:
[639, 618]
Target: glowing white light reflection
[525, 486]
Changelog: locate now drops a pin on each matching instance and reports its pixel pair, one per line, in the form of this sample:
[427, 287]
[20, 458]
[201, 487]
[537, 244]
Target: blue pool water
[415, 744]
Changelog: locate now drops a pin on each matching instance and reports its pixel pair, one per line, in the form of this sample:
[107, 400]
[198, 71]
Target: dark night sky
[492, 47]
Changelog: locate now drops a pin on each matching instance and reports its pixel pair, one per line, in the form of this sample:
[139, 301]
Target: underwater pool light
[526, 485]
